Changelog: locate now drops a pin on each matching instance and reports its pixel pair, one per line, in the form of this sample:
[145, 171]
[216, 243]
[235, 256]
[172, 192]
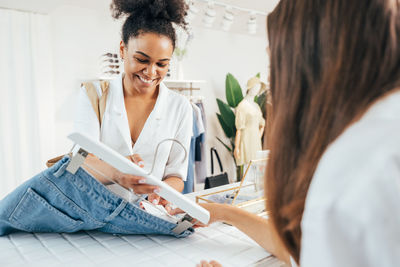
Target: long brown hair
[330, 60]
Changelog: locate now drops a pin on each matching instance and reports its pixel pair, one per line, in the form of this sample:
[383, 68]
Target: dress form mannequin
[249, 124]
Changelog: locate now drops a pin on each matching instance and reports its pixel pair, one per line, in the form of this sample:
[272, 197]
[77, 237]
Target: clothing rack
[183, 85]
[196, 98]
[197, 157]
[185, 89]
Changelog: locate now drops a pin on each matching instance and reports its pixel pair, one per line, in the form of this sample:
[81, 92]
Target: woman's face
[146, 61]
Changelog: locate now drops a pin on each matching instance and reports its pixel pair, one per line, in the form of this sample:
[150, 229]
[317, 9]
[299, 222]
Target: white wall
[212, 55]
[81, 35]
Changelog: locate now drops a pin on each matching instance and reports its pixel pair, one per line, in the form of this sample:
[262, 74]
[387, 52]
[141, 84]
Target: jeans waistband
[85, 183]
[99, 200]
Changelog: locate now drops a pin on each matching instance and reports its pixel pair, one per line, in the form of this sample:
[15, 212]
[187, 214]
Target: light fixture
[252, 23]
[209, 15]
[191, 13]
[227, 19]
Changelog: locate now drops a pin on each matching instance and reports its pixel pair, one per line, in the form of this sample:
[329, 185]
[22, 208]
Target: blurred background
[48, 47]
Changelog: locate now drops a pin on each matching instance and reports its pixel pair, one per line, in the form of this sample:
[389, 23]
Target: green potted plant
[226, 115]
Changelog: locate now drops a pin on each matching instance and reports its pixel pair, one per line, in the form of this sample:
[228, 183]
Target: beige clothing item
[98, 102]
[249, 119]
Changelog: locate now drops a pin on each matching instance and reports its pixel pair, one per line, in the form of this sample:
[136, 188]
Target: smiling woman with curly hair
[147, 112]
[137, 112]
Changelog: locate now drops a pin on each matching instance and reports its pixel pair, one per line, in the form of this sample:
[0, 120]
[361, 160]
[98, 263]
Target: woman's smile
[146, 81]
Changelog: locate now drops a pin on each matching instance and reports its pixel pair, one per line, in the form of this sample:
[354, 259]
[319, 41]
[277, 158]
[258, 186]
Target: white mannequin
[254, 86]
[252, 93]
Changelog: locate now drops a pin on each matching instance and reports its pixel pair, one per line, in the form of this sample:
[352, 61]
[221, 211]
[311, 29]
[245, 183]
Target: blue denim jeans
[57, 201]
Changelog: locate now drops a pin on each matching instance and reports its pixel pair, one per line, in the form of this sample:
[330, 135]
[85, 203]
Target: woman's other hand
[157, 200]
[174, 182]
[208, 264]
[217, 211]
[135, 158]
[136, 183]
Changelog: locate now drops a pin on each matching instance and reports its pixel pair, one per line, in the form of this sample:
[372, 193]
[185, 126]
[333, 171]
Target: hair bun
[170, 10]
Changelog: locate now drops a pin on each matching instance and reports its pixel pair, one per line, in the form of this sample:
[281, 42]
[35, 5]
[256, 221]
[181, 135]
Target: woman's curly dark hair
[155, 16]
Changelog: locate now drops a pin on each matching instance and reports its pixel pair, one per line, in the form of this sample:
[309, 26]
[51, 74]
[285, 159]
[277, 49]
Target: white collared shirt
[171, 118]
[352, 211]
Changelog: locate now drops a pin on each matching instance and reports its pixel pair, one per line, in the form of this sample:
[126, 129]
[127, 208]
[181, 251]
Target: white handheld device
[126, 166]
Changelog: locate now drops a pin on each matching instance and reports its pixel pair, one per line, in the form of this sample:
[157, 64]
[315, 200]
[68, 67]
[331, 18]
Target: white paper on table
[159, 211]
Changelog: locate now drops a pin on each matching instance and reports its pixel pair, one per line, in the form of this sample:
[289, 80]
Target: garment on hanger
[198, 129]
[200, 156]
[198, 147]
[248, 121]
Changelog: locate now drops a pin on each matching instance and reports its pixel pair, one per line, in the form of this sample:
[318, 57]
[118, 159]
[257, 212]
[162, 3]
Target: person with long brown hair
[333, 176]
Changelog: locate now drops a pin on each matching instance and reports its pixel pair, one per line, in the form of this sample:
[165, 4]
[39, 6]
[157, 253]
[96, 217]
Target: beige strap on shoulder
[98, 104]
[104, 85]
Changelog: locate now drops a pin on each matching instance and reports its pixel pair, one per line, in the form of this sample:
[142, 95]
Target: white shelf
[183, 81]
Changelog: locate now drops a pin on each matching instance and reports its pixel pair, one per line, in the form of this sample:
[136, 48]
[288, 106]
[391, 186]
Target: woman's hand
[136, 183]
[208, 264]
[157, 200]
[217, 212]
[135, 158]
[174, 182]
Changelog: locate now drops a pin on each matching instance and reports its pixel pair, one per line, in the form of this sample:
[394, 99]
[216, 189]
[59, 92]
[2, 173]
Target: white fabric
[27, 100]
[171, 118]
[293, 262]
[198, 119]
[352, 214]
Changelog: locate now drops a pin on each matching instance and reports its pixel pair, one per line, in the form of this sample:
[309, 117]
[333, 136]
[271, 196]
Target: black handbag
[216, 180]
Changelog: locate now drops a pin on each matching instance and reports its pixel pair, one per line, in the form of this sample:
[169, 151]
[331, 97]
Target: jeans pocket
[34, 214]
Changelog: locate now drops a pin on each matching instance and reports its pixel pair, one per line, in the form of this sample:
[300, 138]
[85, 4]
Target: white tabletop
[219, 242]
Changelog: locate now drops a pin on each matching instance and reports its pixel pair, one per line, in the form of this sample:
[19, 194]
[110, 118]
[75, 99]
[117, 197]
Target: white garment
[352, 214]
[198, 119]
[171, 118]
[249, 119]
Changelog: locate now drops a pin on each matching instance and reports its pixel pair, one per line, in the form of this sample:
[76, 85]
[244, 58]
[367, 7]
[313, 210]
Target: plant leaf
[227, 116]
[233, 91]
[225, 145]
[227, 130]
[261, 100]
[258, 75]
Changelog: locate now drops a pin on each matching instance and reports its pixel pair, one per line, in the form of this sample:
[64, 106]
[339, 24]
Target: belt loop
[117, 211]
[60, 171]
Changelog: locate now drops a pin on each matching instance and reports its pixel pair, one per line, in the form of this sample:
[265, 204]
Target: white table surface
[219, 242]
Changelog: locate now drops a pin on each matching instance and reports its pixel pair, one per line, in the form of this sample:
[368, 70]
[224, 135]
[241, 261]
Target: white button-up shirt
[171, 117]
[352, 210]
